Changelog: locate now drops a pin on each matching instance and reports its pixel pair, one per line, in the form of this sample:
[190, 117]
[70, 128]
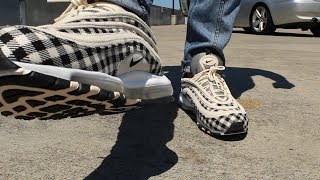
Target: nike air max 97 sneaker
[94, 57]
[207, 95]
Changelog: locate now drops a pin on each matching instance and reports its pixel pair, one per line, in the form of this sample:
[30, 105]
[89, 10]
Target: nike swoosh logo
[134, 62]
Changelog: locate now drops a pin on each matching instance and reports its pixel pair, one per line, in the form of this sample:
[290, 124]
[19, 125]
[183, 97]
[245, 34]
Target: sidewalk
[277, 81]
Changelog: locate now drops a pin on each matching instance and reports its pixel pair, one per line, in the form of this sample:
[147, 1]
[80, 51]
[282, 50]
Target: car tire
[261, 21]
[247, 29]
[315, 31]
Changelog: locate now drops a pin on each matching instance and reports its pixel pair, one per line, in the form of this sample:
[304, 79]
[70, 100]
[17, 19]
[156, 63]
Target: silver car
[264, 16]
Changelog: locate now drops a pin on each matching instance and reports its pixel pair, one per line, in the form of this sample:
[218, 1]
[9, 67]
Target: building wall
[162, 16]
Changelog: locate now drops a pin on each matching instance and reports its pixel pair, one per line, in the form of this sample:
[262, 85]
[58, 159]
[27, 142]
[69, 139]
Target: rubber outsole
[28, 95]
[45, 97]
[235, 128]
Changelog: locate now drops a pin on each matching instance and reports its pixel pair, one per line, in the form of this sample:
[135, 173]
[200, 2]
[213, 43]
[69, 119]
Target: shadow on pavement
[278, 34]
[140, 151]
[240, 80]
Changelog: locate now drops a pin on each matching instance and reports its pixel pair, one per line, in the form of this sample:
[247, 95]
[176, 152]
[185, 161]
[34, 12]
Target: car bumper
[296, 11]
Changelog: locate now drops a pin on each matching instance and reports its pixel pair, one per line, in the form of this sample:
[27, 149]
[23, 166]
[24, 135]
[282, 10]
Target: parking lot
[275, 77]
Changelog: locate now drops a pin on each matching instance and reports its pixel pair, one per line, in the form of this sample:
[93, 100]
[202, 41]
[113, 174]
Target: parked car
[265, 16]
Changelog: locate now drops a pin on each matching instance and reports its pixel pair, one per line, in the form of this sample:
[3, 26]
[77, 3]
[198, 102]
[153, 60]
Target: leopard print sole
[32, 95]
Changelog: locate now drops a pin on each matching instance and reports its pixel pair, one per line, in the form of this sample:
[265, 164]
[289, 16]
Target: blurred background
[39, 12]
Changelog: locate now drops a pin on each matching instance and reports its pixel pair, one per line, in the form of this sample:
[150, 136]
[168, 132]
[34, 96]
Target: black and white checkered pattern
[221, 123]
[124, 19]
[30, 45]
[94, 30]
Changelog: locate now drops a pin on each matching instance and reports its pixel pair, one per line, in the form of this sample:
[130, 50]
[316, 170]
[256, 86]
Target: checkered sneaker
[94, 39]
[95, 58]
[215, 107]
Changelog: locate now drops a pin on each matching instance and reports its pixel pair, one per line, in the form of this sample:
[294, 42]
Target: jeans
[140, 7]
[210, 23]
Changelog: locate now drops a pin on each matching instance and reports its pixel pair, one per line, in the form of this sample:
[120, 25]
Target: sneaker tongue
[202, 62]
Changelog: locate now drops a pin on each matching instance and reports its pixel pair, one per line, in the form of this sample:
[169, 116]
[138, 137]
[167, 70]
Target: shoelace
[74, 8]
[215, 78]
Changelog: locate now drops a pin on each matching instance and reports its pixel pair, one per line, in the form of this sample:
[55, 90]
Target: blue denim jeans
[210, 23]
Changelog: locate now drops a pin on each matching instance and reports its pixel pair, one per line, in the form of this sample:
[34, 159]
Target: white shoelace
[78, 6]
[216, 80]
[73, 9]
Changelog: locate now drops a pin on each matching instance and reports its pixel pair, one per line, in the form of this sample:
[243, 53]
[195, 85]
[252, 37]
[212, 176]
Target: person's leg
[139, 7]
[203, 90]
[210, 26]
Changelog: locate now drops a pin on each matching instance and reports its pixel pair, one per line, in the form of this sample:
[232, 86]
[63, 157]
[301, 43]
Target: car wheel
[315, 31]
[247, 29]
[261, 20]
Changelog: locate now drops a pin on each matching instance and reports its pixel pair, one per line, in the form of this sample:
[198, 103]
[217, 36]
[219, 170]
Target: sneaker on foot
[208, 96]
[95, 56]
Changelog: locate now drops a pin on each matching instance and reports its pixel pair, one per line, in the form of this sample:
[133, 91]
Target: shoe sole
[235, 128]
[25, 94]
[134, 84]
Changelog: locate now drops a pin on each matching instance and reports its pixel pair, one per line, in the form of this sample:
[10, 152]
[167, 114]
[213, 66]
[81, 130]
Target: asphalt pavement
[275, 77]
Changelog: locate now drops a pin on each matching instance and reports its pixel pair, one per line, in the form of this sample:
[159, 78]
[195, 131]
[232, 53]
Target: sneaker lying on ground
[208, 96]
[95, 57]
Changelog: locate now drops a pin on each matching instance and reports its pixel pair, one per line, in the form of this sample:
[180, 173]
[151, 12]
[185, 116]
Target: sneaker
[94, 57]
[207, 95]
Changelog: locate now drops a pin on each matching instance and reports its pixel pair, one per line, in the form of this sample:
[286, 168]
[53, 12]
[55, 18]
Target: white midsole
[101, 80]
[131, 82]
